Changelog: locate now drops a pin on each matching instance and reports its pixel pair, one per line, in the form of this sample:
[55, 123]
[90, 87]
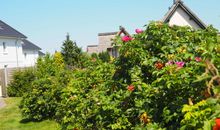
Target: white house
[30, 52]
[15, 50]
[179, 14]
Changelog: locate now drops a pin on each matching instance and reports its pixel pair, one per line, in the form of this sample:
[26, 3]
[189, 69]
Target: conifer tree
[71, 52]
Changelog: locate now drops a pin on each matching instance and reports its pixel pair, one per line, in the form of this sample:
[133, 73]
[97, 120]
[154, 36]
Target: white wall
[181, 18]
[12, 55]
[30, 58]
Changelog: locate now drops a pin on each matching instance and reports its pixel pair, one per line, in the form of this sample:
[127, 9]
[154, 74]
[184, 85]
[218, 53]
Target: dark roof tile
[27, 45]
[8, 31]
[41, 53]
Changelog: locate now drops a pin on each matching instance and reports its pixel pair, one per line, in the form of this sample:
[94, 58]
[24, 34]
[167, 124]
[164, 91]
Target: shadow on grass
[24, 121]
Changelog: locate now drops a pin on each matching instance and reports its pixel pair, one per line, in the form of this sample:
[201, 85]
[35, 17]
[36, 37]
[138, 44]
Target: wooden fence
[5, 78]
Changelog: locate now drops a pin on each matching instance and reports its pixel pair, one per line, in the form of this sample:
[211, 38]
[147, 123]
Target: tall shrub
[21, 82]
[51, 78]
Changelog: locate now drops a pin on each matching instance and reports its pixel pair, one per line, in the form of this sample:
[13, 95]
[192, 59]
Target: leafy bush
[42, 101]
[83, 96]
[104, 56]
[170, 60]
[158, 72]
[21, 82]
[200, 115]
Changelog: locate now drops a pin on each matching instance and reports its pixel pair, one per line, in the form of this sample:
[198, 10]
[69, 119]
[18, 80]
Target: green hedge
[21, 82]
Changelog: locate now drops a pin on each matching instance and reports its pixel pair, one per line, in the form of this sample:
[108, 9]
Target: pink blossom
[198, 59]
[180, 64]
[138, 31]
[169, 63]
[126, 38]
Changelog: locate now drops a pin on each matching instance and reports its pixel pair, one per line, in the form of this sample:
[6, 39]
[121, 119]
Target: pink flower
[198, 59]
[126, 38]
[138, 31]
[180, 64]
[169, 63]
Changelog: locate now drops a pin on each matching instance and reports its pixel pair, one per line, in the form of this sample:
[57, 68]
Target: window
[4, 46]
[25, 55]
[115, 53]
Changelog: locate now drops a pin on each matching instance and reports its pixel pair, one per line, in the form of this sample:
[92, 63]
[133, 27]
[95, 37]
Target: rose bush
[159, 72]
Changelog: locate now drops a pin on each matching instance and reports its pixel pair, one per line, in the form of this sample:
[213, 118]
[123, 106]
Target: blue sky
[46, 22]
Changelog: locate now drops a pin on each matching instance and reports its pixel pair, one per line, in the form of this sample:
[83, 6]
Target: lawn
[10, 118]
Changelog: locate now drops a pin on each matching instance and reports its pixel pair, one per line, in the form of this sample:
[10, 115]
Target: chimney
[175, 1]
[67, 37]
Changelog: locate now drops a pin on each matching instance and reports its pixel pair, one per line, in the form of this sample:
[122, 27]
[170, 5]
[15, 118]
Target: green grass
[10, 118]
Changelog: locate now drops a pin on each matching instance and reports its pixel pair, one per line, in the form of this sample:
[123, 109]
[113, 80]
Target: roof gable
[180, 5]
[8, 31]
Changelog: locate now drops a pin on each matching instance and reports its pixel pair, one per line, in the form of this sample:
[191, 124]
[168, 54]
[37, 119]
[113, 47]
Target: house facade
[178, 14]
[30, 53]
[15, 50]
[10, 52]
[106, 43]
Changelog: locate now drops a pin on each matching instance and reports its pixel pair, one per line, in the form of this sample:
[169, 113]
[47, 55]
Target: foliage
[142, 89]
[71, 53]
[158, 52]
[42, 101]
[158, 72]
[85, 93]
[200, 115]
[94, 55]
[104, 56]
[21, 82]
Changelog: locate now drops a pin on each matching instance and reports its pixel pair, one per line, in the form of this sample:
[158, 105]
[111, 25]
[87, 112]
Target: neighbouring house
[30, 52]
[92, 49]
[105, 42]
[178, 14]
[15, 52]
[15, 49]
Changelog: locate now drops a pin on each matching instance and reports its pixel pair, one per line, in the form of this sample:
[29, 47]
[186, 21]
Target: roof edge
[23, 36]
[92, 46]
[180, 3]
[107, 33]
